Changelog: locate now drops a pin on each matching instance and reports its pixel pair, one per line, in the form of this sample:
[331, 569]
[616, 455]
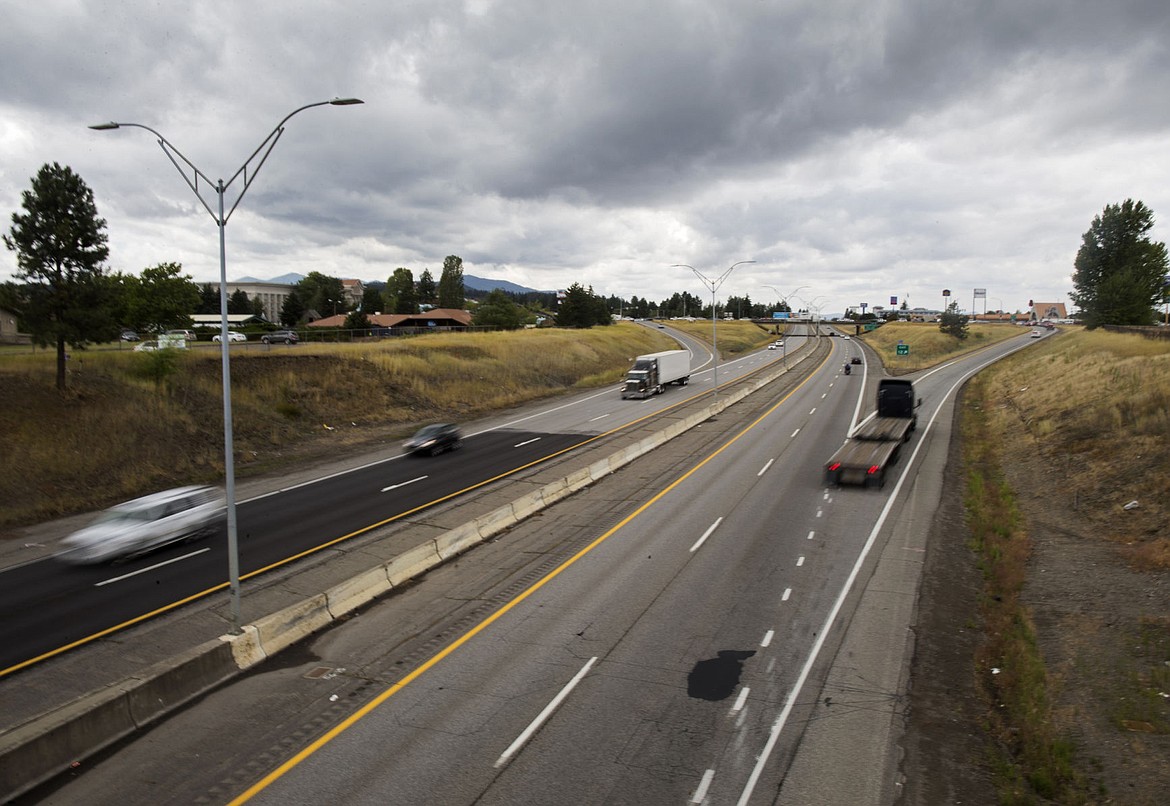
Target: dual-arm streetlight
[192, 176]
[713, 284]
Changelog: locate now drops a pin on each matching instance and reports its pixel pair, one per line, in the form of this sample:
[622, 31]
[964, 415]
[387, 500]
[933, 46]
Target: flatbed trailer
[875, 444]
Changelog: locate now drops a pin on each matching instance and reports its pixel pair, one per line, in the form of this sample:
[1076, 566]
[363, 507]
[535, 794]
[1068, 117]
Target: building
[271, 296]
[8, 333]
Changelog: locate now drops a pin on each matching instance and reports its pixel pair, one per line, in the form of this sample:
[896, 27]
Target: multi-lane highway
[50, 607]
[661, 638]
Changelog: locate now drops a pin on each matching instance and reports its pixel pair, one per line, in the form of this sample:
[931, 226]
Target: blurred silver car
[147, 523]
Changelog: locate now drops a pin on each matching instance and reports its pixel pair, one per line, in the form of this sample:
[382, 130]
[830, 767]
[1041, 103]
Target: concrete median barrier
[288, 625]
[357, 591]
[413, 562]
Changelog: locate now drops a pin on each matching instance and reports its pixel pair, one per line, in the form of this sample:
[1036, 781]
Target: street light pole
[713, 284]
[221, 219]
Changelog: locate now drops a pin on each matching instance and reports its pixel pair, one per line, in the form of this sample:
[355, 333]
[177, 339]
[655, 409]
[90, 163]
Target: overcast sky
[861, 149]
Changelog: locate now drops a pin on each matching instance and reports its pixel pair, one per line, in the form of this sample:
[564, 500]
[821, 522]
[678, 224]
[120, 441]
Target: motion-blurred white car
[147, 523]
[232, 336]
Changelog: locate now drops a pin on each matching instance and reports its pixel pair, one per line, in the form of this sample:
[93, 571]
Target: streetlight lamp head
[101, 127]
[346, 101]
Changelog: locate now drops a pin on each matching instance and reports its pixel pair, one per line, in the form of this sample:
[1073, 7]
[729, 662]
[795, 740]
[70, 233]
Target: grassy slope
[131, 425]
[1061, 437]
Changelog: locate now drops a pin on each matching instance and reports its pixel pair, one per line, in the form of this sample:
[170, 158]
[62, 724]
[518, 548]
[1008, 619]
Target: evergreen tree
[292, 311]
[238, 302]
[1119, 271]
[427, 292]
[451, 294]
[400, 286]
[952, 322]
[60, 245]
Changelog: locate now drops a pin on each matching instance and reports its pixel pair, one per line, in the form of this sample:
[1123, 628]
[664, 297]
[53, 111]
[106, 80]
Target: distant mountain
[484, 284]
[292, 278]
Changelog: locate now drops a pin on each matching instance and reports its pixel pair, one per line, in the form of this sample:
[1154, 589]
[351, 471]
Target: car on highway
[147, 523]
[1037, 334]
[854, 360]
[772, 346]
[277, 336]
[431, 440]
[129, 335]
[232, 336]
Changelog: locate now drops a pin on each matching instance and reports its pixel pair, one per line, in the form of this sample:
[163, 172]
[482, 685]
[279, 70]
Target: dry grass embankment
[735, 336]
[930, 346]
[132, 423]
[1058, 439]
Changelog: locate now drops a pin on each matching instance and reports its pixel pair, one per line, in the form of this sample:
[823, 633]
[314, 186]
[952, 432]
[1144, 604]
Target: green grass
[929, 346]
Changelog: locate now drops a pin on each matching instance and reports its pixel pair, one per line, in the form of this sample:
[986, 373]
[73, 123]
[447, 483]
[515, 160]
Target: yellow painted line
[427, 665]
[307, 552]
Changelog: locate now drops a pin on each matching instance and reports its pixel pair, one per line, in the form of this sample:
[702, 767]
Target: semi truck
[874, 446]
[652, 372]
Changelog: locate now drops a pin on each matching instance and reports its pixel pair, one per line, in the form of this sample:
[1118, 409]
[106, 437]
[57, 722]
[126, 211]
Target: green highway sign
[903, 349]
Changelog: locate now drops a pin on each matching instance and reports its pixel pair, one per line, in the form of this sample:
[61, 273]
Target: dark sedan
[432, 440]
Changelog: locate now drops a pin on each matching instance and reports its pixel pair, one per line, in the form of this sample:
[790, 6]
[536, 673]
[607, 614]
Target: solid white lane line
[707, 533]
[740, 700]
[701, 792]
[764, 469]
[403, 484]
[526, 442]
[151, 567]
[534, 726]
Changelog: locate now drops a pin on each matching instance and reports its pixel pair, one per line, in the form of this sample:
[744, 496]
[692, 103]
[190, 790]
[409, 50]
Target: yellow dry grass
[929, 346]
[1096, 407]
[117, 433]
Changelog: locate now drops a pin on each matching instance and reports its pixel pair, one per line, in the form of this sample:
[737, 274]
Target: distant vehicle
[772, 346]
[129, 335]
[147, 523]
[186, 335]
[652, 372]
[1037, 334]
[874, 446]
[151, 345]
[232, 336]
[854, 360]
[286, 336]
[434, 439]
[846, 338]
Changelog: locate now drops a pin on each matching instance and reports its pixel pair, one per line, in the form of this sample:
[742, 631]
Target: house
[8, 333]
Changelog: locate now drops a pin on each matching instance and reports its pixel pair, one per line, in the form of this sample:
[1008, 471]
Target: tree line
[64, 296]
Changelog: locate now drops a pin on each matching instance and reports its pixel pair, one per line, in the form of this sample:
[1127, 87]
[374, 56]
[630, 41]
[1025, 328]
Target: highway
[664, 637]
[51, 608]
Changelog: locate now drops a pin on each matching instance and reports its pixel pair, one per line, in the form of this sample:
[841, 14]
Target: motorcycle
[848, 370]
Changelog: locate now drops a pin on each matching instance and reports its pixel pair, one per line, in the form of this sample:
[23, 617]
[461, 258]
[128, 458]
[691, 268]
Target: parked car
[129, 335]
[146, 346]
[232, 336]
[147, 523]
[186, 335]
[434, 439]
[276, 336]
